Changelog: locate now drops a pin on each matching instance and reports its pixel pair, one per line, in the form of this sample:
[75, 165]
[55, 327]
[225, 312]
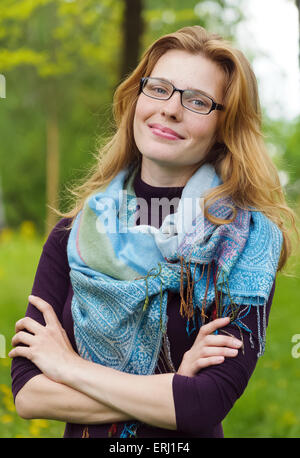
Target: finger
[205, 362]
[29, 324]
[222, 341]
[209, 328]
[22, 338]
[208, 352]
[23, 352]
[45, 308]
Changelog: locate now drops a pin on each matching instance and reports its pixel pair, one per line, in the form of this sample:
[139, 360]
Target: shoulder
[59, 235]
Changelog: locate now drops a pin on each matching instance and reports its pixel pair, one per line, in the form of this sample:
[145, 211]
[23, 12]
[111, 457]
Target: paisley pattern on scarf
[121, 273]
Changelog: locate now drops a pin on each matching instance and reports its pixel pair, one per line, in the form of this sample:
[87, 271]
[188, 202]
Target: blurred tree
[62, 39]
[62, 60]
[283, 139]
[132, 29]
[291, 159]
[220, 16]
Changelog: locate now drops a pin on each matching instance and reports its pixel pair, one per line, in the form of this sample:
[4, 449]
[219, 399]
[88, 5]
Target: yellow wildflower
[9, 404]
[40, 423]
[5, 389]
[6, 235]
[289, 418]
[34, 430]
[6, 362]
[6, 418]
[27, 229]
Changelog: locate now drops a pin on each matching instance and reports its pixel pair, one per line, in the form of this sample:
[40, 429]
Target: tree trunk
[52, 168]
[132, 27]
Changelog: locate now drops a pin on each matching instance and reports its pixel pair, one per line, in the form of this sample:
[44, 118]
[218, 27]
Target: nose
[172, 107]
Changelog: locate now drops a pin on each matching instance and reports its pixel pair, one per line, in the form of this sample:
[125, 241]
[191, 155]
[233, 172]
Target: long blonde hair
[249, 176]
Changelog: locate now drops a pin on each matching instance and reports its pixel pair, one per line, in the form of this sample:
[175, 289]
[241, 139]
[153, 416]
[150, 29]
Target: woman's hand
[209, 349]
[48, 347]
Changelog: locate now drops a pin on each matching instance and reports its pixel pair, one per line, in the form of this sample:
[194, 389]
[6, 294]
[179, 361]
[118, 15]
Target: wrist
[69, 373]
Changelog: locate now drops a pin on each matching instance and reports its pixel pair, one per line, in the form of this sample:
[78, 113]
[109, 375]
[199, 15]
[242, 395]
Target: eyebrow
[189, 88]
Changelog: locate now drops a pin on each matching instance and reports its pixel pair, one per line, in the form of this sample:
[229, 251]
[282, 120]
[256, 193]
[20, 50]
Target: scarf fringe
[152, 273]
[187, 305]
[233, 310]
[85, 433]
[129, 430]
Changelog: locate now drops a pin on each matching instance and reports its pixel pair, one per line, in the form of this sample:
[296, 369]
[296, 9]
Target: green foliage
[217, 16]
[292, 157]
[283, 138]
[68, 52]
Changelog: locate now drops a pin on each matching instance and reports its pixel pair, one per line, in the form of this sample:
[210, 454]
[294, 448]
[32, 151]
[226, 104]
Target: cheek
[140, 115]
[142, 110]
[206, 129]
[136, 122]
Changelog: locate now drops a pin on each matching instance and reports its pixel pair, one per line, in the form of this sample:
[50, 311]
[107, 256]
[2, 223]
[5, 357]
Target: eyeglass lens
[193, 100]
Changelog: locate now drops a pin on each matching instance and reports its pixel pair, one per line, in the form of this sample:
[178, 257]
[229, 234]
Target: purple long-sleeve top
[201, 402]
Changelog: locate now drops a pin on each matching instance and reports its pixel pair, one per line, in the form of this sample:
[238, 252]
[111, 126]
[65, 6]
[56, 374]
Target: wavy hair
[239, 155]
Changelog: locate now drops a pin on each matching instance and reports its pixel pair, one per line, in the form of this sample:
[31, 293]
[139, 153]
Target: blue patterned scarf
[121, 273]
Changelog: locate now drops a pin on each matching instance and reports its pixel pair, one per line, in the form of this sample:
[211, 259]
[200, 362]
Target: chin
[163, 158]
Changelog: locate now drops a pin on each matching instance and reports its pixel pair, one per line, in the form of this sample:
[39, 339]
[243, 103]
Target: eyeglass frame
[215, 105]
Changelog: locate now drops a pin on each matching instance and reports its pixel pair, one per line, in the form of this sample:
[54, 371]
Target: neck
[165, 176]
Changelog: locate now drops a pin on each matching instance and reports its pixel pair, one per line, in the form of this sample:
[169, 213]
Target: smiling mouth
[165, 132]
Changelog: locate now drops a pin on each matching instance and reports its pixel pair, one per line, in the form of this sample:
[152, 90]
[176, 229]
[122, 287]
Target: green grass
[270, 406]
[19, 256]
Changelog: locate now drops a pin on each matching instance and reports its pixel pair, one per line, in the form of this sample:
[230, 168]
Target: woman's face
[195, 132]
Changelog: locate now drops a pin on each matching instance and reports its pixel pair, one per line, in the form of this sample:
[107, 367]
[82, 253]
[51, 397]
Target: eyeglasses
[193, 100]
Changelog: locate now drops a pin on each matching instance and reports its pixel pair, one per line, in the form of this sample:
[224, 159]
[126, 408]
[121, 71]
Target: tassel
[261, 332]
[203, 316]
[234, 307]
[187, 306]
[150, 274]
[182, 302]
[217, 302]
[129, 430]
[112, 430]
[85, 433]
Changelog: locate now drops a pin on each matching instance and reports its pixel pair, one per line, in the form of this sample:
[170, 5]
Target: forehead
[190, 71]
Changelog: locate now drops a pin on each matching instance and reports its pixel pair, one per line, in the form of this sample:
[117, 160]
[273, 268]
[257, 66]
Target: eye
[159, 90]
[197, 101]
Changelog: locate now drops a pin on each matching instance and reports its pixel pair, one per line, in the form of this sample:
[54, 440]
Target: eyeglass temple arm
[217, 106]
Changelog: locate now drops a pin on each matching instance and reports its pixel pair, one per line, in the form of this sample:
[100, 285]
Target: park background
[62, 60]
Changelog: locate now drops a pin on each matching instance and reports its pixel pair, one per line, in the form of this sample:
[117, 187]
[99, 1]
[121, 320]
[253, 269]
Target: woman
[148, 319]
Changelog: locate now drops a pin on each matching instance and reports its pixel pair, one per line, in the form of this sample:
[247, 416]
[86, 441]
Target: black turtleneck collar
[146, 191]
[155, 210]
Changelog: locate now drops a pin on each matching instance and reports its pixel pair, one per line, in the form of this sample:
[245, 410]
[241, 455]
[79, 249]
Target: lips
[165, 131]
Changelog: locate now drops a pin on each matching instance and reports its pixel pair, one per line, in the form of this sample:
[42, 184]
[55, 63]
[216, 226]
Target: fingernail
[219, 359]
[233, 352]
[237, 343]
